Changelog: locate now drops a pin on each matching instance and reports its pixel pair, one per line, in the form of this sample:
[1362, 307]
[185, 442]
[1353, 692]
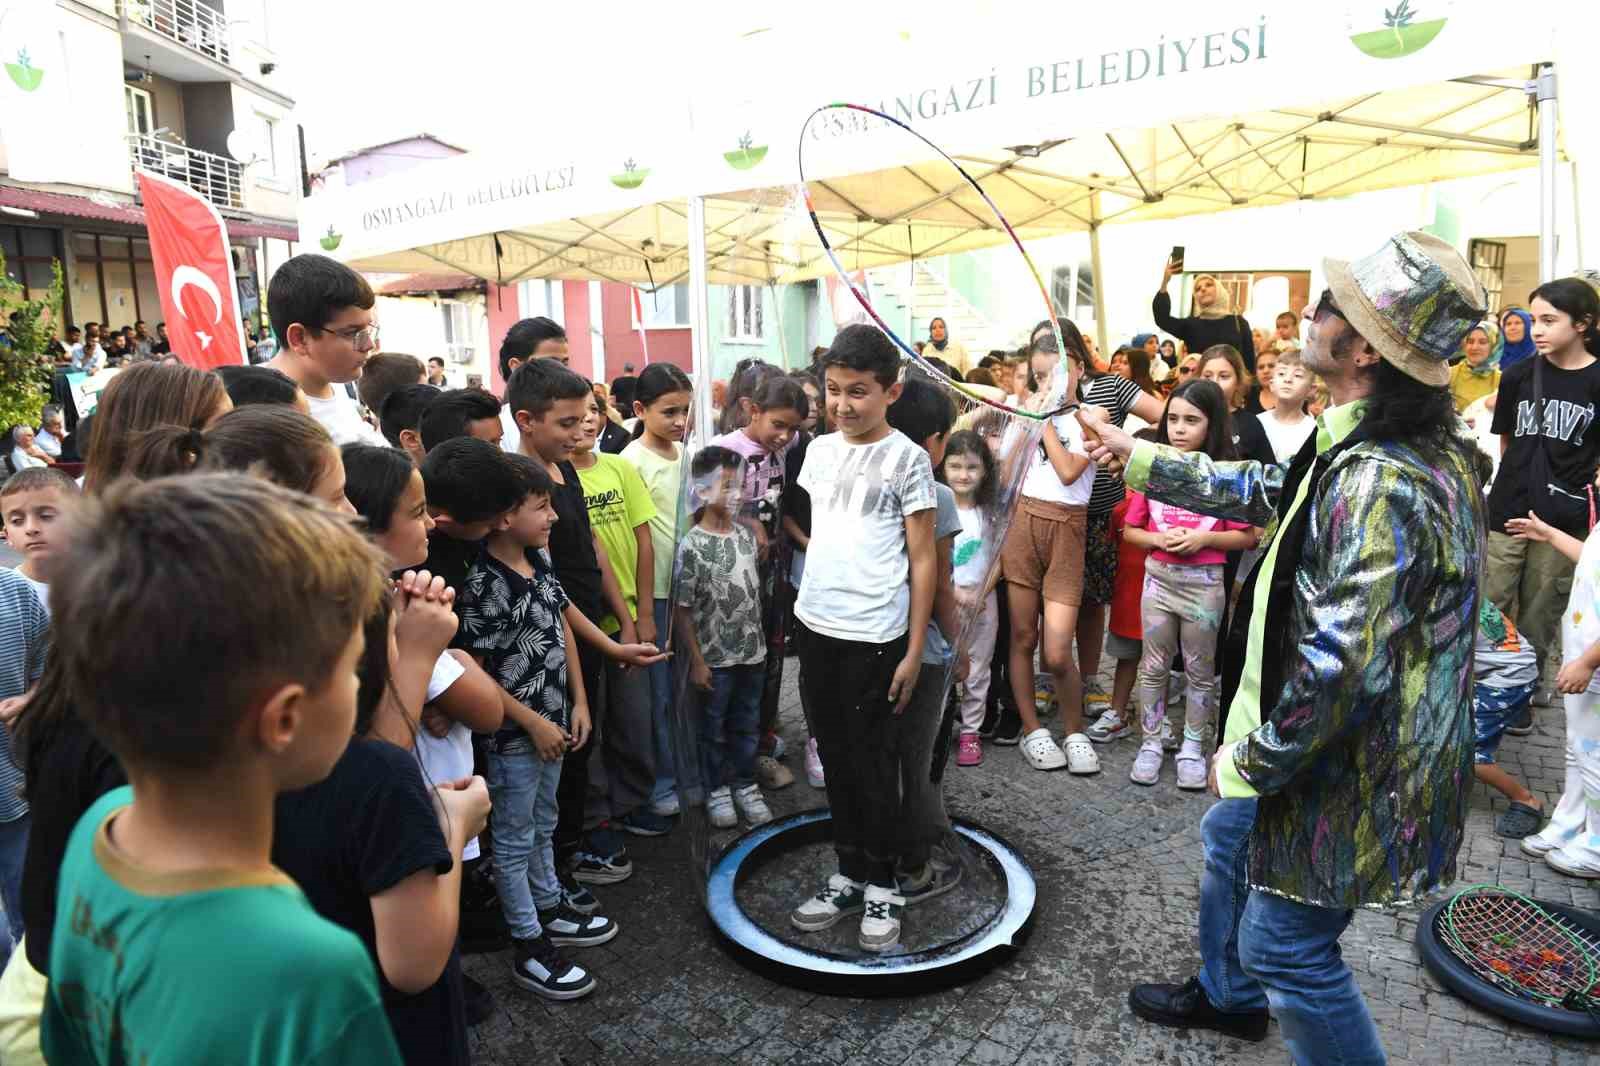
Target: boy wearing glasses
[321, 312]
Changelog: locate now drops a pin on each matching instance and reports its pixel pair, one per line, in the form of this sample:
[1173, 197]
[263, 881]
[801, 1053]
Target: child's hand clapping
[424, 617]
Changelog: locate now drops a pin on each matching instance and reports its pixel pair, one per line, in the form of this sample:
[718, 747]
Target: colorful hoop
[866, 304]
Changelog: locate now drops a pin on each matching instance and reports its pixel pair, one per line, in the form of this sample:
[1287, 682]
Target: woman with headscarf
[1475, 376]
[1213, 322]
[1516, 338]
[951, 351]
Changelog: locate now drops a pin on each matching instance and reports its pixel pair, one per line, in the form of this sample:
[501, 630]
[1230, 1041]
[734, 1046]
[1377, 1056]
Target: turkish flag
[194, 273]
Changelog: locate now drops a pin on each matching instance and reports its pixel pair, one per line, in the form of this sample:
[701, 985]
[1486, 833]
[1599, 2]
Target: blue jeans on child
[522, 787]
[730, 725]
[13, 849]
[661, 710]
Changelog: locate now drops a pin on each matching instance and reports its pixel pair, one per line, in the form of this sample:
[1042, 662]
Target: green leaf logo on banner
[1402, 33]
[330, 240]
[746, 156]
[24, 73]
[631, 177]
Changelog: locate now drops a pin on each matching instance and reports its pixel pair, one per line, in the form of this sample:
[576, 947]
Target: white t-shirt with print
[1286, 438]
[341, 417]
[857, 584]
[1042, 483]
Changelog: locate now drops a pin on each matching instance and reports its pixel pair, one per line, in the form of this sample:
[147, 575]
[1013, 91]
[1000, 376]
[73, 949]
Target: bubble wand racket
[866, 304]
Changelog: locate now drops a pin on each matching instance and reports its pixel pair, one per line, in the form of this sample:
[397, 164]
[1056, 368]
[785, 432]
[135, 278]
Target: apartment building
[184, 88]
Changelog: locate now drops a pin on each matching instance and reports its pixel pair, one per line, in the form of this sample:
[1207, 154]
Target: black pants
[855, 728]
[573, 790]
[922, 819]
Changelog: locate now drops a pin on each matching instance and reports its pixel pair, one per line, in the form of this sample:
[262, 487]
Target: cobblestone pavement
[1118, 868]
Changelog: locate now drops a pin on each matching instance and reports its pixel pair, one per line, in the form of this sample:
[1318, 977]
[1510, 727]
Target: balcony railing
[218, 179]
[191, 23]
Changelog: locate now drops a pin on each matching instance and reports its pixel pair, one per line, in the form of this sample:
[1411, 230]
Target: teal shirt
[208, 966]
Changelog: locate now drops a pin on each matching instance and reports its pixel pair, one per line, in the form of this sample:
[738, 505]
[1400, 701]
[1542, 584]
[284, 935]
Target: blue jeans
[522, 787]
[1293, 950]
[1224, 891]
[730, 725]
[661, 710]
[13, 848]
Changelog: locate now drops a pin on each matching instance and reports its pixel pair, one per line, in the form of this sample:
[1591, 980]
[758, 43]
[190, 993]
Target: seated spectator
[88, 356]
[261, 384]
[383, 373]
[52, 431]
[163, 344]
[24, 452]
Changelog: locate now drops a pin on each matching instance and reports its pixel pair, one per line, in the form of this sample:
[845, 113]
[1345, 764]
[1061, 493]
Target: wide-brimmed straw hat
[1414, 300]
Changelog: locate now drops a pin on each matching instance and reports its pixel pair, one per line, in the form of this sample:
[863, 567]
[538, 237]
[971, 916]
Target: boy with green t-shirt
[218, 684]
[620, 510]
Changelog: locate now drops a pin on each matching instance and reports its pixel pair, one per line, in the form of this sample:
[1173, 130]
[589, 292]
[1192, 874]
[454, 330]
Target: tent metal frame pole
[1099, 277]
[1577, 220]
[699, 318]
[1545, 90]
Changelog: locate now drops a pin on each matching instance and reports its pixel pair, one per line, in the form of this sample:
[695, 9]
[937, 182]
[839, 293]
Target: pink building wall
[622, 341]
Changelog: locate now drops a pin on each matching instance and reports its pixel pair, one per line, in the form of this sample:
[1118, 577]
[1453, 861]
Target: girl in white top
[1042, 560]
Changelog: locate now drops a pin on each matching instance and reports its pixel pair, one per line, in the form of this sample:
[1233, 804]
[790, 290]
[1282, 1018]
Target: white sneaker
[1191, 766]
[880, 919]
[841, 896]
[814, 776]
[1040, 749]
[1081, 758]
[1108, 727]
[1147, 764]
[752, 805]
[719, 808]
[668, 807]
[1562, 860]
[1539, 845]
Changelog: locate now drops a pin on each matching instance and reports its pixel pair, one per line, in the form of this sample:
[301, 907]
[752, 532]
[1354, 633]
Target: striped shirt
[24, 637]
[1117, 396]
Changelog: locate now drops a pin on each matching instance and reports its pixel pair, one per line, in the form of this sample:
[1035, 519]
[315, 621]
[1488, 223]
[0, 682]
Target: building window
[113, 281]
[141, 111]
[665, 308]
[29, 252]
[269, 146]
[744, 313]
[457, 331]
[1489, 263]
[542, 298]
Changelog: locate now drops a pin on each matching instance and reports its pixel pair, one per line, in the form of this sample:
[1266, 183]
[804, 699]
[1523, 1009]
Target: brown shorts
[1044, 549]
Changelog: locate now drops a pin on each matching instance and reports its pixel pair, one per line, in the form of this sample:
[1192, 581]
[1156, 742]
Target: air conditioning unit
[460, 353]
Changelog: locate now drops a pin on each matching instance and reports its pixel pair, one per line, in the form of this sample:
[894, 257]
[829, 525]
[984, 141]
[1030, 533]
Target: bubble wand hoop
[866, 304]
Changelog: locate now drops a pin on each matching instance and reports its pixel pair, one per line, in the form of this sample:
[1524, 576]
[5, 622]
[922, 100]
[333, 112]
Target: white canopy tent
[1150, 115]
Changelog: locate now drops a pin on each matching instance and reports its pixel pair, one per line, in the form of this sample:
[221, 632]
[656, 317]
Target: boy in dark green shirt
[220, 678]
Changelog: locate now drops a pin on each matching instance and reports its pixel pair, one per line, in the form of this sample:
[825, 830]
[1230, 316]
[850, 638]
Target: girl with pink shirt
[1184, 593]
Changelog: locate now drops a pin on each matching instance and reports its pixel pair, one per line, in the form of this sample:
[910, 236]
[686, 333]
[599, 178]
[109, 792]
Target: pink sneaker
[970, 753]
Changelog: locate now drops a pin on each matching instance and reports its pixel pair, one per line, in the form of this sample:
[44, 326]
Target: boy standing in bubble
[863, 612]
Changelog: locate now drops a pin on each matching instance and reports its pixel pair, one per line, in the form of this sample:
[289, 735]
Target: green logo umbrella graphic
[746, 156]
[330, 240]
[632, 176]
[24, 73]
[1402, 33]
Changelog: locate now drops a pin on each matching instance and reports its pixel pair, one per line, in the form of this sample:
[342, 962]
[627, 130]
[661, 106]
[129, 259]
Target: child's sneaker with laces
[1191, 766]
[880, 918]
[838, 898]
[594, 869]
[934, 879]
[564, 926]
[970, 752]
[1108, 727]
[752, 805]
[719, 808]
[1147, 764]
[538, 967]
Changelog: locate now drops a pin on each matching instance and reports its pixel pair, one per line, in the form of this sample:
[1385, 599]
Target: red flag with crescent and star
[194, 273]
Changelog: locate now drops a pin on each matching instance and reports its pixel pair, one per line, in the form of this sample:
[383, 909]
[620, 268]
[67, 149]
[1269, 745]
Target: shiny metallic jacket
[1363, 759]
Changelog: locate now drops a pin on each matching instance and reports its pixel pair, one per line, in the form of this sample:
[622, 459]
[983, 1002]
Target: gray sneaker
[1147, 764]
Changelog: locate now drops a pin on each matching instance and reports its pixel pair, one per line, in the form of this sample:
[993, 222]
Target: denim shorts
[1493, 709]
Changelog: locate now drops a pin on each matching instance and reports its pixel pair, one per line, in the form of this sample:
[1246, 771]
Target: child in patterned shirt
[719, 615]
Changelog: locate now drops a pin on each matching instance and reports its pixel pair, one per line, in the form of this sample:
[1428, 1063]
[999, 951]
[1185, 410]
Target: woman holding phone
[1214, 320]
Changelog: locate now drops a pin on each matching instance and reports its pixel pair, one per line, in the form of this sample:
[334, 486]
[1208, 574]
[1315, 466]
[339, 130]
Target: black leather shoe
[1186, 1006]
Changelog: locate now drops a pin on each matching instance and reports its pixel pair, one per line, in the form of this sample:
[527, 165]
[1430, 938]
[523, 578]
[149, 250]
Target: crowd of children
[436, 698]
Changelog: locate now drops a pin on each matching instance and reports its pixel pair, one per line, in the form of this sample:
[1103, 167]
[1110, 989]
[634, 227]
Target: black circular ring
[871, 975]
[1458, 978]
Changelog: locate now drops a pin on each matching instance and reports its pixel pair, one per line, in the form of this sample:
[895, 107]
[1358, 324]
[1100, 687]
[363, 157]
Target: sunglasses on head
[1327, 306]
